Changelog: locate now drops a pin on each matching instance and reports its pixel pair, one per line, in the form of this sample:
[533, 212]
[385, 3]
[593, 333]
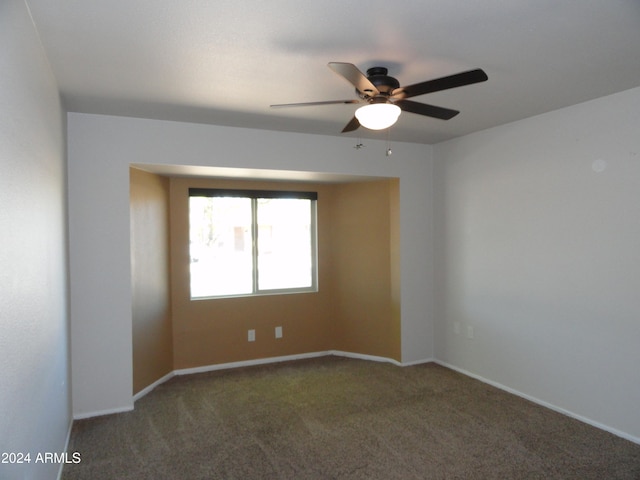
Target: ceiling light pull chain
[388, 151]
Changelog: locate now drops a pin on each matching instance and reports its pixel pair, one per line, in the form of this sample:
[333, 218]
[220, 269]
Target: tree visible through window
[245, 242]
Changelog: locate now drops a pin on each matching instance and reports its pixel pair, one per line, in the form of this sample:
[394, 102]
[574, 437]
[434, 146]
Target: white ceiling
[225, 61]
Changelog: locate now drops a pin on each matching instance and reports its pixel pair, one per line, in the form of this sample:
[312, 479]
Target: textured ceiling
[225, 61]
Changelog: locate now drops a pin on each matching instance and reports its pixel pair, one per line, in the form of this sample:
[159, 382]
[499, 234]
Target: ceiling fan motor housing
[383, 82]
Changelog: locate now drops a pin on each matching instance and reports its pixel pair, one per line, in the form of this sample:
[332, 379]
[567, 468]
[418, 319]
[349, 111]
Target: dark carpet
[339, 418]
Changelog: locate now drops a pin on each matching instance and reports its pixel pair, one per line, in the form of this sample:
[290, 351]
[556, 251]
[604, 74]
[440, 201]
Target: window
[248, 242]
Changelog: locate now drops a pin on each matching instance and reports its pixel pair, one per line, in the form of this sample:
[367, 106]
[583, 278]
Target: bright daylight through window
[247, 242]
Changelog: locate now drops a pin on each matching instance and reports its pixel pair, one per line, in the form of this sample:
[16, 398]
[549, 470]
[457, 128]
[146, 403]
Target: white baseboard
[99, 413]
[418, 362]
[66, 448]
[375, 358]
[248, 363]
[542, 403]
[148, 388]
[361, 356]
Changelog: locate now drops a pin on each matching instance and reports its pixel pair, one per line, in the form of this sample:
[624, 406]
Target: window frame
[254, 195]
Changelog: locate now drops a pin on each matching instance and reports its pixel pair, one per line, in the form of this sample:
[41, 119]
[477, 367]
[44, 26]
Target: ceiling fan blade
[309, 104]
[443, 83]
[354, 124]
[427, 110]
[358, 79]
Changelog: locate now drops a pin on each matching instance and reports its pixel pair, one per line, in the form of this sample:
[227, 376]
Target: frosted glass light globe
[378, 116]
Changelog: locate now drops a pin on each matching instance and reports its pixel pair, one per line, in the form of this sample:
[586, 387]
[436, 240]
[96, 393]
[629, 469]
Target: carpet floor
[340, 418]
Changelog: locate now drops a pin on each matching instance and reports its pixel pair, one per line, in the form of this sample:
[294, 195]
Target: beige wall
[212, 331]
[151, 312]
[356, 308]
[364, 225]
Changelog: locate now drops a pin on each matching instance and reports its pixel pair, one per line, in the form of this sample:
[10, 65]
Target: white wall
[35, 411]
[538, 250]
[100, 151]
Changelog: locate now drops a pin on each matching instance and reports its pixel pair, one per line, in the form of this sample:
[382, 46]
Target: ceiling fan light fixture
[378, 116]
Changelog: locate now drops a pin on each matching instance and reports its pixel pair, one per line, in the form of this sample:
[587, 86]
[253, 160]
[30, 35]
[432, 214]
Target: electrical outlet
[278, 332]
[469, 331]
[456, 328]
[251, 336]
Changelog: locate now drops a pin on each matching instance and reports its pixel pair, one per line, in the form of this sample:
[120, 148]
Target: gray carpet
[338, 418]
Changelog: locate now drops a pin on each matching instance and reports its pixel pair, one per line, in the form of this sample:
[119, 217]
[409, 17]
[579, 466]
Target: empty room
[329, 240]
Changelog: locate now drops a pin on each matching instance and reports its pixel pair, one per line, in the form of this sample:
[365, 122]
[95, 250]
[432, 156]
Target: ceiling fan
[385, 98]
